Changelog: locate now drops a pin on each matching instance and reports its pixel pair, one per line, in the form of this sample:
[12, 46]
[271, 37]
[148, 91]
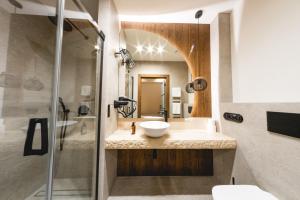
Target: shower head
[67, 26]
[16, 3]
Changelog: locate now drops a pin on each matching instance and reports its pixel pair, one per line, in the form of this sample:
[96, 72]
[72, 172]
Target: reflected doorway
[153, 96]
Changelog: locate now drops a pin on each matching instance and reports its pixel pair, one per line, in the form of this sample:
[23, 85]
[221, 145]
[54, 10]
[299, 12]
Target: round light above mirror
[150, 49]
[139, 48]
[160, 49]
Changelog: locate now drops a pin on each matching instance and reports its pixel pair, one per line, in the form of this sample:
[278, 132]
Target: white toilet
[240, 192]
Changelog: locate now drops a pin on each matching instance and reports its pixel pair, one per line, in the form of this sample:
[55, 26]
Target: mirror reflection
[157, 80]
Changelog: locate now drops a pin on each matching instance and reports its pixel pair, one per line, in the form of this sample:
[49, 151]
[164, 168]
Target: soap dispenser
[133, 128]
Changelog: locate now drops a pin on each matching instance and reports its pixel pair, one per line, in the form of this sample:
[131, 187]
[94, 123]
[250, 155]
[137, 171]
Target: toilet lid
[240, 192]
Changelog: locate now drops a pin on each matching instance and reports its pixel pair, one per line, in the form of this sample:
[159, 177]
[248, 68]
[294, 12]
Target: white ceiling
[171, 11]
[154, 7]
[135, 37]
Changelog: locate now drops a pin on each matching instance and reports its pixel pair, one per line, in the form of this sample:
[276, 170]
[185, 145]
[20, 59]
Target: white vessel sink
[154, 128]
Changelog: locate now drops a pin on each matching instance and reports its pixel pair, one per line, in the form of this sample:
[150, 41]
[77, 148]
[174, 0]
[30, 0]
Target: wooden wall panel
[183, 36]
[165, 162]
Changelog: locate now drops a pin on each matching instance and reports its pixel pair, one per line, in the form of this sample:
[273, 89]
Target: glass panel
[76, 140]
[27, 46]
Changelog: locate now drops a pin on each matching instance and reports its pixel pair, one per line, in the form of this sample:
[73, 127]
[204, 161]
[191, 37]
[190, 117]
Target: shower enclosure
[50, 93]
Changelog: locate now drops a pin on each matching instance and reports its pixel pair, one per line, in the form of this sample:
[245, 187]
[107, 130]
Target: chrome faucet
[165, 112]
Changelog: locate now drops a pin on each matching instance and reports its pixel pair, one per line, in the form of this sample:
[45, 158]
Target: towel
[176, 92]
[176, 108]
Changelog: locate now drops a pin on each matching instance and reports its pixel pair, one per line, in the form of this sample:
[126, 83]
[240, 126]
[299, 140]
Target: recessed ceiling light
[139, 48]
[150, 49]
[160, 49]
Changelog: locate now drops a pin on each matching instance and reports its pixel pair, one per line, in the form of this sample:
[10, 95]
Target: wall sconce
[189, 87]
[199, 84]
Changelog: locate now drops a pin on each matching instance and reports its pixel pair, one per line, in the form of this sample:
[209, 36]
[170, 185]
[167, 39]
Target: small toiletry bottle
[133, 128]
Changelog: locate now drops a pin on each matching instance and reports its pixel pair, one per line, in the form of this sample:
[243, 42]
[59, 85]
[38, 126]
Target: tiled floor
[78, 189]
[161, 188]
[165, 197]
[156, 186]
[65, 189]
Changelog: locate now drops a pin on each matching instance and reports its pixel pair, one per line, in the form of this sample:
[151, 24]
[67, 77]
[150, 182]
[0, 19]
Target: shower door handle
[28, 149]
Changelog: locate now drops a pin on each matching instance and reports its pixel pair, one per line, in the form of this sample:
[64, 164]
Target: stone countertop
[174, 139]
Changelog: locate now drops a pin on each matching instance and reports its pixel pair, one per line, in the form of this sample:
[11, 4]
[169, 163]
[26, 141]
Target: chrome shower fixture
[16, 3]
[67, 26]
[126, 58]
[130, 64]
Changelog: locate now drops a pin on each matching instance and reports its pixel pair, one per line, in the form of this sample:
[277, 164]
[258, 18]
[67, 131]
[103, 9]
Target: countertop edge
[226, 143]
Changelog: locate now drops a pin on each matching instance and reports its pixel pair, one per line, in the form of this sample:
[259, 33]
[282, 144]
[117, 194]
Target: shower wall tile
[26, 52]
[29, 55]
[4, 35]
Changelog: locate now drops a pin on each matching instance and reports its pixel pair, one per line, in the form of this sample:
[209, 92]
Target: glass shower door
[76, 144]
[31, 162]
[27, 49]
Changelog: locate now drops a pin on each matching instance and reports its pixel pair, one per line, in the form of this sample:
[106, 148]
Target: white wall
[259, 47]
[214, 56]
[268, 160]
[122, 67]
[265, 51]
[110, 25]
[221, 74]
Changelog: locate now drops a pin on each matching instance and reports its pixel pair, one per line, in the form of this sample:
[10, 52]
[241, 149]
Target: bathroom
[85, 85]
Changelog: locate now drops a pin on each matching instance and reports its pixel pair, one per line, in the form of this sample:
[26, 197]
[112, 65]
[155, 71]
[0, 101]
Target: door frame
[153, 76]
